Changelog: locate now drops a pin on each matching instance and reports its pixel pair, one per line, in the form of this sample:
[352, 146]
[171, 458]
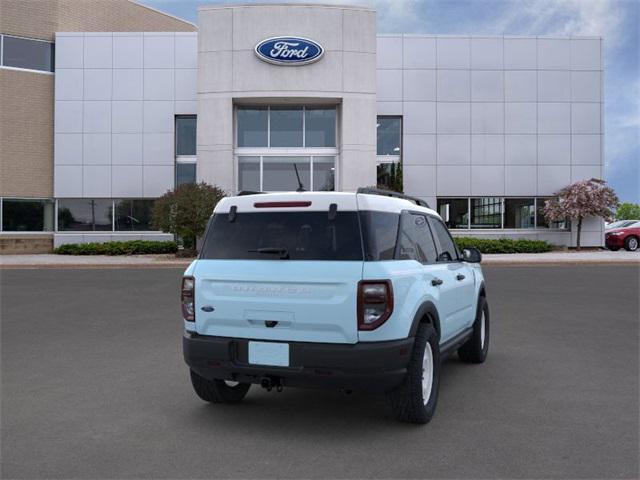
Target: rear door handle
[436, 281]
[460, 277]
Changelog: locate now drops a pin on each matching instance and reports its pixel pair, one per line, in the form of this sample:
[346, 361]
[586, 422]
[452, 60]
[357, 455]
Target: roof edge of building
[137, 2]
[286, 4]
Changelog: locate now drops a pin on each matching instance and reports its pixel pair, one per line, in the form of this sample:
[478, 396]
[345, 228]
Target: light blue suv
[356, 291]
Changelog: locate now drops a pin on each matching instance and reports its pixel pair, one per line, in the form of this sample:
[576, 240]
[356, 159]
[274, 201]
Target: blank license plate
[269, 353]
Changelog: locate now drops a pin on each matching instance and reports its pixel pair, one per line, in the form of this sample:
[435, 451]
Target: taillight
[375, 303]
[187, 299]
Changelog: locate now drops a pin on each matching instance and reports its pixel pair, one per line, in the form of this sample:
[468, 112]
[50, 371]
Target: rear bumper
[371, 367]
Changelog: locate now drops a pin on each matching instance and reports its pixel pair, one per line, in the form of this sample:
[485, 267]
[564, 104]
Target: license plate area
[269, 353]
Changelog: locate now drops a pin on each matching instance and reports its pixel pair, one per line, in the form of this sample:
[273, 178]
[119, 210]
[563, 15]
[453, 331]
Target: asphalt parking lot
[93, 386]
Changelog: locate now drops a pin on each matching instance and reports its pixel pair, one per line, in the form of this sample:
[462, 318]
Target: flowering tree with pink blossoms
[586, 198]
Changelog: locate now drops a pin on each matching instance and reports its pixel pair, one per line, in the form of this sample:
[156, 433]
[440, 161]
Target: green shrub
[504, 245]
[132, 247]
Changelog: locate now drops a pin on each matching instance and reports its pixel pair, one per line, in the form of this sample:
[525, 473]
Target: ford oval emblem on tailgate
[207, 308]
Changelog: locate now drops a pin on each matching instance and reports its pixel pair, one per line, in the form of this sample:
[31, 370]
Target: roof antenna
[300, 185]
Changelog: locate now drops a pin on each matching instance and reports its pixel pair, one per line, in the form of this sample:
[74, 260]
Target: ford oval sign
[289, 51]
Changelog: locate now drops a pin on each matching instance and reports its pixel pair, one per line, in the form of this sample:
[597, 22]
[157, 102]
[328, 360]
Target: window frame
[183, 159]
[265, 152]
[30, 232]
[537, 228]
[390, 159]
[261, 162]
[22, 69]
[113, 218]
[268, 146]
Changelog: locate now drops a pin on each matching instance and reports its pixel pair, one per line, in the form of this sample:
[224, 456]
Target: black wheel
[476, 348]
[631, 243]
[415, 400]
[218, 391]
[614, 249]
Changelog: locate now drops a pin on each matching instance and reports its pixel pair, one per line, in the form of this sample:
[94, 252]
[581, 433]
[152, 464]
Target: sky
[617, 21]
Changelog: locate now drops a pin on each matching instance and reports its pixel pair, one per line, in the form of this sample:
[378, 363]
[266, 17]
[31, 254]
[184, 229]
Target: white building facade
[483, 128]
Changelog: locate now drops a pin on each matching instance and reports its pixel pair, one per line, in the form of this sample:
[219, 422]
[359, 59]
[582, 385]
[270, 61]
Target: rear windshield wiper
[283, 252]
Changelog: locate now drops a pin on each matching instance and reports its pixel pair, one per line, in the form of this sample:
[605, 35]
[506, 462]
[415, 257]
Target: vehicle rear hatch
[281, 267]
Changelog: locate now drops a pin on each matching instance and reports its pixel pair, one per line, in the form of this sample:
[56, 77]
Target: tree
[185, 211]
[628, 211]
[390, 176]
[586, 198]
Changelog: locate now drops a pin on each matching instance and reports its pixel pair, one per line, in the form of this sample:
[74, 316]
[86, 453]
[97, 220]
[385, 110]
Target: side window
[447, 247]
[415, 241]
[379, 234]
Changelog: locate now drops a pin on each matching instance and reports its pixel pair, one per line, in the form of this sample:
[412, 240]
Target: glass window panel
[320, 127]
[186, 135]
[279, 173]
[84, 214]
[133, 215]
[379, 234]
[285, 124]
[25, 215]
[486, 212]
[324, 169]
[303, 235]
[249, 174]
[389, 132]
[25, 53]
[454, 212]
[252, 126]
[542, 222]
[389, 176]
[519, 213]
[415, 240]
[447, 247]
[185, 173]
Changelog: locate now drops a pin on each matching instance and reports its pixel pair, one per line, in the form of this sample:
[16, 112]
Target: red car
[627, 237]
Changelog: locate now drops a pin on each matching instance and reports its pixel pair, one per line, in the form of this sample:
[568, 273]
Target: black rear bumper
[372, 366]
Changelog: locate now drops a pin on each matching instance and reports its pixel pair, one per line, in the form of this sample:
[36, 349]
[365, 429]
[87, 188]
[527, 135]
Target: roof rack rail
[389, 193]
[248, 192]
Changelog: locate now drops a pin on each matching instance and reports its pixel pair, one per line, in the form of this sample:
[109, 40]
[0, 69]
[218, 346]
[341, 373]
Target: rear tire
[631, 243]
[218, 391]
[476, 348]
[415, 400]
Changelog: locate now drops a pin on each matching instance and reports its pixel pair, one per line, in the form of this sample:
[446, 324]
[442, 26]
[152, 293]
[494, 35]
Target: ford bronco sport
[355, 291]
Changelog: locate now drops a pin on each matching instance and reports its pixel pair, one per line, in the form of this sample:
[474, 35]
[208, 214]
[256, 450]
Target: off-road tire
[217, 391]
[407, 400]
[631, 243]
[476, 348]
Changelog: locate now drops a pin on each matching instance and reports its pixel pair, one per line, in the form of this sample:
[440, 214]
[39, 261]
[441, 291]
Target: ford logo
[289, 51]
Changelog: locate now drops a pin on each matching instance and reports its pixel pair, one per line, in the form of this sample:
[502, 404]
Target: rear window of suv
[283, 235]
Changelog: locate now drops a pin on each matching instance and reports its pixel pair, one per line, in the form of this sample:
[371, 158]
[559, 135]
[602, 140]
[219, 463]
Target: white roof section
[319, 201]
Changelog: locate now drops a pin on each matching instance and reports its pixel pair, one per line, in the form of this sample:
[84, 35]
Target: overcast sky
[617, 21]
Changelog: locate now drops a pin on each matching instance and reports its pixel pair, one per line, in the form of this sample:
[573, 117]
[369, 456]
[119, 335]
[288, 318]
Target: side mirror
[471, 255]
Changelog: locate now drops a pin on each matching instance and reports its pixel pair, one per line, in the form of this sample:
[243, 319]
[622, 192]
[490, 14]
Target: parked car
[353, 291]
[620, 224]
[627, 237]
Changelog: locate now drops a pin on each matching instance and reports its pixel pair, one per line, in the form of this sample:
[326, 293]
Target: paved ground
[154, 261]
[93, 386]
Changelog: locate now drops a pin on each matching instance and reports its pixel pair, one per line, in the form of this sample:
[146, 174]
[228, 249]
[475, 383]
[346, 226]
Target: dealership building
[107, 105]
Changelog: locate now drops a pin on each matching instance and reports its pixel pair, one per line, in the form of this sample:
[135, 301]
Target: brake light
[375, 303]
[281, 204]
[187, 299]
